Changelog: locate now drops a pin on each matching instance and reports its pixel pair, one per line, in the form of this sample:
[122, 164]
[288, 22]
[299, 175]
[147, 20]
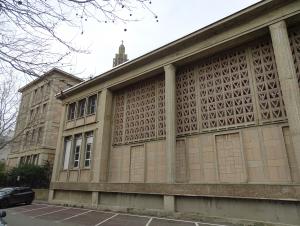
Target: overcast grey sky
[177, 18]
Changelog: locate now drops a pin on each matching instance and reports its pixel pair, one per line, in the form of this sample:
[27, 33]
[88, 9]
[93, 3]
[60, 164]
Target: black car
[15, 195]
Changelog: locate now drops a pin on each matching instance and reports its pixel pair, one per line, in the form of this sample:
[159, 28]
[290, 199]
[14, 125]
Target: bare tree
[9, 103]
[21, 119]
[28, 29]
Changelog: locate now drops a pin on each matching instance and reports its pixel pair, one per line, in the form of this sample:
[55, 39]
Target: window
[76, 154]
[37, 114]
[44, 108]
[22, 160]
[67, 151]
[88, 149]
[71, 112]
[35, 159]
[42, 91]
[33, 137]
[47, 89]
[31, 115]
[34, 96]
[92, 104]
[40, 135]
[26, 140]
[81, 107]
[27, 161]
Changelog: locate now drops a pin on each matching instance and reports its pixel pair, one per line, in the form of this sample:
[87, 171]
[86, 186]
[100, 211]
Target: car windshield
[5, 191]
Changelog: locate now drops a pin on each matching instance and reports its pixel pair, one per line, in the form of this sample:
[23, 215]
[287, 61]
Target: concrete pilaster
[51, 195]
[170, 98]
[101, 152]
[288, 82]
[169, 203]
[95, 197]
[59, 153]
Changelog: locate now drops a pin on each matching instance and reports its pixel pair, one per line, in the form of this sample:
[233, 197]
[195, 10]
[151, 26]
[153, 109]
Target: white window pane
[89, 140]
[67, 154]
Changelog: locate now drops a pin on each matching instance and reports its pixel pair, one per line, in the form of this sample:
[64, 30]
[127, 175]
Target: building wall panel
[119, 164]
[230, 158]
[181, 161]
[209, 158]
[137, 164]
[253, 155]
[277, 163]
[73, 175]
[156, 162]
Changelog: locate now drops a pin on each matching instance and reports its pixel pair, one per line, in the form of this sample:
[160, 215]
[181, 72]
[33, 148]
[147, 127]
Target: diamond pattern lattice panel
[119, 118]
[139, 112]
[224, 91]
[186, 101]
[295, 45]
[267, 82]
[161, 116]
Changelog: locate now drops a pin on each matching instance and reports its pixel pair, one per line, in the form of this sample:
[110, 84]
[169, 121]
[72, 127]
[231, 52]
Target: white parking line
[75, 215]
[127, 214]
[50, 212]
[106, 219]
[148, 223]
[162, 218]
[25, 211]
[200, 223]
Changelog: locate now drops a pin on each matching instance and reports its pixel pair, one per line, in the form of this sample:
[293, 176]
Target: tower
[120, 57]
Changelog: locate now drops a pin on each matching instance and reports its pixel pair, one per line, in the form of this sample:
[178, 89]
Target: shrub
[3, 175]
[30, 175]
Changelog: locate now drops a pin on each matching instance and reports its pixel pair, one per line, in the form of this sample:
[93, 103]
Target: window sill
[86, 168]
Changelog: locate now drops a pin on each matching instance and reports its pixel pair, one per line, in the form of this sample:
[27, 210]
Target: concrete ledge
[207, 209]
[246, 191]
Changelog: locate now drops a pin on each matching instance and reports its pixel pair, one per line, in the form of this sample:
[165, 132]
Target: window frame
[89, 106]
[66, 161]
[73, 111]
[76, 151]
[88, 135]
[81, 109]
[44, 108]
[40, 135]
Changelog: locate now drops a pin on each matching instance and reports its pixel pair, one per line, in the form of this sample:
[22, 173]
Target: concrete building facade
[38, 119]
[208, 125]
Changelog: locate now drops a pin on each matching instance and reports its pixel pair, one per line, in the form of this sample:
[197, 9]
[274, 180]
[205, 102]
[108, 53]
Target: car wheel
[28, 202]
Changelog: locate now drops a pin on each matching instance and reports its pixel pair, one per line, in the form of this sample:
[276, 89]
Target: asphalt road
[53, 215]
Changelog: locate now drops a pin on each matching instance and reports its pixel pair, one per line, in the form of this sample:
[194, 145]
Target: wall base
[213, 209]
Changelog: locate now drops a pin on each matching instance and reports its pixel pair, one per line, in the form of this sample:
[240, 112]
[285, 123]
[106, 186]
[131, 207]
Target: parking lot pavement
[53, 215]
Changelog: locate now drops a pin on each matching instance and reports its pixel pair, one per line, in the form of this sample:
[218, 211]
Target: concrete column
[102, 147]
[288, 82]
[169, 203]
[95, 197]
[51, 195]
[170, 98]
[59, 153]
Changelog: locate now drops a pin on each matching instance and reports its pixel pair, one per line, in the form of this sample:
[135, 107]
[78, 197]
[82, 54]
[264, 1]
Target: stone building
[120, 57]
[38, 119]
[208, 125]
[6, 149]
